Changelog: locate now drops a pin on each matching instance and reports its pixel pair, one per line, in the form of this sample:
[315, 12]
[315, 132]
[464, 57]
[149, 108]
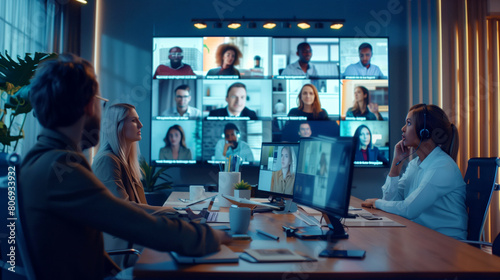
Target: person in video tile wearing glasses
[182, 109]
[431, 191]
[176, 67]
[64, 206]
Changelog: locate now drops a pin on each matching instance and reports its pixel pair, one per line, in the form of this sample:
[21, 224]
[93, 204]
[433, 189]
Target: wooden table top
[391, 252]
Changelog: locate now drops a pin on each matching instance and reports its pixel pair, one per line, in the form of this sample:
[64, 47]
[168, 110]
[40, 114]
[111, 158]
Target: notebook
[225, 255]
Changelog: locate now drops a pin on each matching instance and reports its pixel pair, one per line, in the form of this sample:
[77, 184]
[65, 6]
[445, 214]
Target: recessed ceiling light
[234, 25]
[336, 25]
[304, 25]
[269, 25]
[200, 25]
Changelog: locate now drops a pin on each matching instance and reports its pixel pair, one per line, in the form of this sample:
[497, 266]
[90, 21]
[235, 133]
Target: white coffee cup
[196, 192]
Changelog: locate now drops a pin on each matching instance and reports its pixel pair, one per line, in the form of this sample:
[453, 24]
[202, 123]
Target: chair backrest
[10, 163]
[495, 248]
[480, 179]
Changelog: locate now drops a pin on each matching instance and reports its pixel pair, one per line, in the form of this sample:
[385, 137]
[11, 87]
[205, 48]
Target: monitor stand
[290, 207]
[334, 231]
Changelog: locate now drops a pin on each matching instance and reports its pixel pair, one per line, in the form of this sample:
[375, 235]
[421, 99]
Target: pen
[268, 234]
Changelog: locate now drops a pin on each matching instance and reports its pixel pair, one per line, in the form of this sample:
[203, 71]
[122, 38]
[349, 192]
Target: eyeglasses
[176, 54]
[182, 96]
[102, 99]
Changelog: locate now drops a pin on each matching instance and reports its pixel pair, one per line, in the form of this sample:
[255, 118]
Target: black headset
[424, 132]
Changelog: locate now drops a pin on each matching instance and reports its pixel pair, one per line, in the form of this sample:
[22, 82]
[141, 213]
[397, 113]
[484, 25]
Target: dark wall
[128, 26]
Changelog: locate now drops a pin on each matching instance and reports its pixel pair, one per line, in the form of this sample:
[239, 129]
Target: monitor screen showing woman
[278, 163]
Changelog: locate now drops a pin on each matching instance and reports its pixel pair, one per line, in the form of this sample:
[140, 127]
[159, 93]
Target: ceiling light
[234, 25]
[200, 25]
[303, 25]
[82, 1]
[336, 25]
[269, 25]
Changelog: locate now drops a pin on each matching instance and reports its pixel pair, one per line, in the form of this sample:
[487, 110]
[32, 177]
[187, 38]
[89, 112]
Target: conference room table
[409, 252]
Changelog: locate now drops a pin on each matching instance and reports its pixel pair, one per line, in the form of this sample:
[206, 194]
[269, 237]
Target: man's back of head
[60, 90]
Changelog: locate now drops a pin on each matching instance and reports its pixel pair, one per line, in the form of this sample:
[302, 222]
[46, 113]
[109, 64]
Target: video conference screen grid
[213, 97]
[278, 162]
[323, 175]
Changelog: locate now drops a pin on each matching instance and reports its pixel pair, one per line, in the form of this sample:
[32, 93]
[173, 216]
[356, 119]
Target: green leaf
[19, 73]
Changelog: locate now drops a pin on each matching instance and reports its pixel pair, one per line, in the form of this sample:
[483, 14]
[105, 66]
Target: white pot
[242, 193]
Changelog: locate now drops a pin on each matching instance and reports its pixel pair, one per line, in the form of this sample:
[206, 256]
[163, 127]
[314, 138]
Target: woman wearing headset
[431, 191]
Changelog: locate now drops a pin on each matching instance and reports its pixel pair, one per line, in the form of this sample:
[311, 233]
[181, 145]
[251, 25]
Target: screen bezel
[339, 213]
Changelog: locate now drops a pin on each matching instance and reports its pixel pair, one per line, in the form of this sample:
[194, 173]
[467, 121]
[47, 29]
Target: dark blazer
[113, 174]
[222, 112]
[373, 155]
[66, 208]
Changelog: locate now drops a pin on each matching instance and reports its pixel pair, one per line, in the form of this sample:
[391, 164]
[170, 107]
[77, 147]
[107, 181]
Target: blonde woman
[283, 179]
[116, 163]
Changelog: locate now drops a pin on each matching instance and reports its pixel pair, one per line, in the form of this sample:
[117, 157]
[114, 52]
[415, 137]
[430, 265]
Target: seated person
[309, 104]
[236, 99]
[176, 68]
[364, 67]
[231, 145]
[431, 191]
[283, 179]
[175, 145]
[227, 55]
[302, 67]
[366, 151]
[65, 205]
[116, 165]
[362, 107]
[182, 108]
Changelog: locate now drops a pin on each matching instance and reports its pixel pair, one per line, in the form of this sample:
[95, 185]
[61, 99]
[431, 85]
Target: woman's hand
[370, 203]
[373, 107]
[401, 152]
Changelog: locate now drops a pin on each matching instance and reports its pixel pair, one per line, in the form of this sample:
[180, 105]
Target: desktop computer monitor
[278, 162]
[323, 182]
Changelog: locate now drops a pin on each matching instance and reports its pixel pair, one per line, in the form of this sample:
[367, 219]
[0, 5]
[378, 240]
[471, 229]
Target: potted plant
[150, 175]
[14, 89]
[242, 190]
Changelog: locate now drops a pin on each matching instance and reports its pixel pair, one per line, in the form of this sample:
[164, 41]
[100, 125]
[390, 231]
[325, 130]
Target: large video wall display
[218, 97]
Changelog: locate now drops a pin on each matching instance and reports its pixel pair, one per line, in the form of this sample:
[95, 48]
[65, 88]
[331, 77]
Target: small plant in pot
[150, 175]
[242, 190]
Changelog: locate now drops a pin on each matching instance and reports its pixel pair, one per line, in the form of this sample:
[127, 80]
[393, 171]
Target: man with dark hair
[364, 67]
[182, 109]
[62, 204]
[176, 68]
[236, 99]
[231, 145]
[302, 67]
[305, 129]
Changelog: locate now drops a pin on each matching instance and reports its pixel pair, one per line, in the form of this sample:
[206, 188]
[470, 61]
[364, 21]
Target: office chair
[480, 179]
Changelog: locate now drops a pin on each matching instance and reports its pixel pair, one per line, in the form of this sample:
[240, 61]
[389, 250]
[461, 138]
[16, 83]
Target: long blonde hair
[113, 137]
